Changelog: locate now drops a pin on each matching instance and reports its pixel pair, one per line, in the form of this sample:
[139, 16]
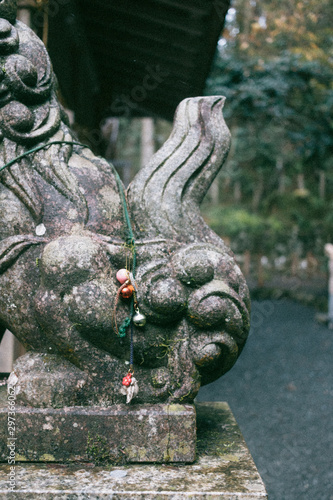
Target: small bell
[139, 319]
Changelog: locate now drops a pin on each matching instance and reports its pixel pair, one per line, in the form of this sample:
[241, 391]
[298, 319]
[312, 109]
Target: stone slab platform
[223, 469]
[119, 434]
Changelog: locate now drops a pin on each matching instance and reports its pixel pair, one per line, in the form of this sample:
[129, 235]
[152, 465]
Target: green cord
[123, 327]
[38, 148]
[130, 242]
[130, 237]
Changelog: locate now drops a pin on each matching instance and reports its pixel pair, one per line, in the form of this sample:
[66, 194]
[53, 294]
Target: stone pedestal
[223, 469]
[118, 434]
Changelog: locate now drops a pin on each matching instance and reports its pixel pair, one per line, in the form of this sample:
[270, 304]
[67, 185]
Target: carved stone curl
[62, 236]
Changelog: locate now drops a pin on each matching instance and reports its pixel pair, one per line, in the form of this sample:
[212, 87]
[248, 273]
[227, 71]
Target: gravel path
[281, 393]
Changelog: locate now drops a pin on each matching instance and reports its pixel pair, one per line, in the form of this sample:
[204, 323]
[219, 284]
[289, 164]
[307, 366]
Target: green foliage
[304, 216]
[285, 105]
[245, 230]
[275, 67]
[299, 224]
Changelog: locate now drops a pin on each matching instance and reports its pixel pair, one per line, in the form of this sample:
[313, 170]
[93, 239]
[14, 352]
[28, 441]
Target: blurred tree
[268, 27]
[275, 66]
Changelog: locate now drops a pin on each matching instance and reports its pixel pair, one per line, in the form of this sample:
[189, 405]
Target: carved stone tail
[165, 195]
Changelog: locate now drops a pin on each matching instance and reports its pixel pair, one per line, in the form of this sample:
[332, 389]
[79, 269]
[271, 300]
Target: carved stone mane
[62, 241]
[165, 196]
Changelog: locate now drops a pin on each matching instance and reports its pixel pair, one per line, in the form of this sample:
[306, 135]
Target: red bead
[127, 292]
[127, 380]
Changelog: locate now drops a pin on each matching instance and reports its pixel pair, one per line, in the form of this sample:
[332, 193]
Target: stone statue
[66, 230]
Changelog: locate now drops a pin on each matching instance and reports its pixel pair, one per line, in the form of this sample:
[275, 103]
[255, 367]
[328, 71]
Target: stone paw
[47, 380]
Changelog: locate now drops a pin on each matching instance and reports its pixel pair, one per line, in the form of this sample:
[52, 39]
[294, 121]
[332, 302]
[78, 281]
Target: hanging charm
[139, 319]
[130, 387]
[128, 289]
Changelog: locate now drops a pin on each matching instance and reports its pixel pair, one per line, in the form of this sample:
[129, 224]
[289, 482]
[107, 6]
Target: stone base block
[118, 434]
[223, 469]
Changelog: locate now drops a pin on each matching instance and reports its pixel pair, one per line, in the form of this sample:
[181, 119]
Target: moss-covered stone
[115, 435]
[223, 470]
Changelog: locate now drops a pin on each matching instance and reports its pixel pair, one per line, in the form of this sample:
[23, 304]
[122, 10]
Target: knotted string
[130, 241]
[125, 324]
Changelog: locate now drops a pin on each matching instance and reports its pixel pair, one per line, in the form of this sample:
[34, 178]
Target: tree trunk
[244, 17]
[247, 263]
[24, 15]
[322, 184]
[312, 264]
[147, 140]
[294, 264]
[110, 132]
[228, 171]
[237, 192]
[300, 182]
[282, 176]
[258, 192]
[214, 192]
[261, 278]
